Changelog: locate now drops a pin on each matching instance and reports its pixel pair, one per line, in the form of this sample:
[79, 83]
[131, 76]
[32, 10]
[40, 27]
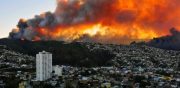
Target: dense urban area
[131, 66]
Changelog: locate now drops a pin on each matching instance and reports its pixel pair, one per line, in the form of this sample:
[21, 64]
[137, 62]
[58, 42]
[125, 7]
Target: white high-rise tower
[43, 66]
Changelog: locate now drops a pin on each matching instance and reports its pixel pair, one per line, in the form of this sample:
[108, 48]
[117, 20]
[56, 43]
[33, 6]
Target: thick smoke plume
[105, 21]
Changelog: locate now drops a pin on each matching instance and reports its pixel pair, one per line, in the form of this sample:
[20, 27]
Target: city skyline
[90, 44]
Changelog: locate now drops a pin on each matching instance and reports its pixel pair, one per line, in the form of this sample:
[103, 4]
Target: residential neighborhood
[135, 66]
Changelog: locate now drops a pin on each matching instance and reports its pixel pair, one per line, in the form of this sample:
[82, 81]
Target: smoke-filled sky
[12, 10]
[104, 21]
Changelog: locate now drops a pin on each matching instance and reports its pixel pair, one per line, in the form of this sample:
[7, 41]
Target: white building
[43, 66]
[58, 70]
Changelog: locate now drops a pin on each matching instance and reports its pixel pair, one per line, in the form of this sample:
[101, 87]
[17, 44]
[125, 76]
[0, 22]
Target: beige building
[43, 66]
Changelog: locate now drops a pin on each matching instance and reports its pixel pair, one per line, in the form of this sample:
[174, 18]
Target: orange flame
[123, 22]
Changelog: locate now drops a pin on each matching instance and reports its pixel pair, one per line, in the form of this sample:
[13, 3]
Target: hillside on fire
[90, 44]
[102, 21]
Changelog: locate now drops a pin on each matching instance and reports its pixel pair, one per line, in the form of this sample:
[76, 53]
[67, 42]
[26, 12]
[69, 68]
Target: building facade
[58, 70]
[43, 66]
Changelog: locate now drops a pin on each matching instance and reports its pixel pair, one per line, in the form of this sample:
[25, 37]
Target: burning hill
[104, 21]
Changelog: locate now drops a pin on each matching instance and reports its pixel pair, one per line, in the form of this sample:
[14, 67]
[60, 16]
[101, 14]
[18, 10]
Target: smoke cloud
[104, 21]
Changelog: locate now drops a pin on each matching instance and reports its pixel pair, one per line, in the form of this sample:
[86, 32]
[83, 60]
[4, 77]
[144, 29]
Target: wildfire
[94, 30]
[106, 21]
